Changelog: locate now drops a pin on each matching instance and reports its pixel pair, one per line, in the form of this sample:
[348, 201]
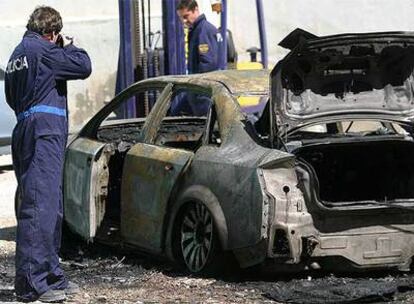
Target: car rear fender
[206, 196]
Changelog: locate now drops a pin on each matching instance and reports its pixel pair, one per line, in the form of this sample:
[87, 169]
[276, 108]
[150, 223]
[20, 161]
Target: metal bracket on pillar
[125, 73]
[223, 32]
[262, 33]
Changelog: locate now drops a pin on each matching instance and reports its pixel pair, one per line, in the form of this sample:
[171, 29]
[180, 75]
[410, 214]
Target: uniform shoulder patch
[203, 48]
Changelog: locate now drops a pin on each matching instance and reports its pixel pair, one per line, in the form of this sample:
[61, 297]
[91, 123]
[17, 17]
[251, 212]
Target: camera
[59, 41]
[63, 40]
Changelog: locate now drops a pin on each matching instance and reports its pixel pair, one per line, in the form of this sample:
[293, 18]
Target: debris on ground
[334, 290]
[108, 275]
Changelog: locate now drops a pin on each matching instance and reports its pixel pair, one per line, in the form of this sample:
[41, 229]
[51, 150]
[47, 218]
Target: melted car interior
[367, 165]
[369, 161]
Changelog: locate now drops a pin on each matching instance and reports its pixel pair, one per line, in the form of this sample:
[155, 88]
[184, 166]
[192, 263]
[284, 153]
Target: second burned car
[323, 179]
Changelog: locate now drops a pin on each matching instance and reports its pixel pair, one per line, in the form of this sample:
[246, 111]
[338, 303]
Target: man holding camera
[35, 88]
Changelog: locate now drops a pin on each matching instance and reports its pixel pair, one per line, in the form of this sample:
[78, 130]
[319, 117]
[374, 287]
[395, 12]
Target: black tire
[198, 243]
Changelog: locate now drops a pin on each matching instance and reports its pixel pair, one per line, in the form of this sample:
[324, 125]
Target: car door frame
[92, 126]
[143, 220]
[86, 164]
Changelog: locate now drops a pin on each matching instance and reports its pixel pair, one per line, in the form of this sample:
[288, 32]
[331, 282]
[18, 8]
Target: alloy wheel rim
[196, 236]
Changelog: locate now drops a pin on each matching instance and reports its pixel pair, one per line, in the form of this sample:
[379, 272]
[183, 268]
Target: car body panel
[149, 175]
[216, 169]
[251, 82]
[363, 62]
[81, 186]
[153, 121]
[379, 237]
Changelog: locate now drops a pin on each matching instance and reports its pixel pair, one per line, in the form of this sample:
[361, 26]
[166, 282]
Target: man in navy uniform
[203, 51]
[35, 87]
[203, 38]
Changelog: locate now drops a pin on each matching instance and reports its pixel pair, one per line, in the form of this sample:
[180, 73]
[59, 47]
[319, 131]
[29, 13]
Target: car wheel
[199, 245]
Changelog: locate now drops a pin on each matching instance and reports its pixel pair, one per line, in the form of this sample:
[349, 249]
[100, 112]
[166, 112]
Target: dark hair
[44, 20]
[187, 4]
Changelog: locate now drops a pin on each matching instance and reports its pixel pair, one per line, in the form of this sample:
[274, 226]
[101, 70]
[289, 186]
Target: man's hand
[64, 40]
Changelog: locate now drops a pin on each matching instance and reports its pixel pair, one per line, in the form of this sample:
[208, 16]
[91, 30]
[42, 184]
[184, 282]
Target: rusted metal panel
[238, 82]
[81, 180]
[150, 173]
[241, 82]
[159, 111]
[231, 173]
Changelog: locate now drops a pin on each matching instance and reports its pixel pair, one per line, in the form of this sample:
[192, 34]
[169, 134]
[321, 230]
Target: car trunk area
[357, 171]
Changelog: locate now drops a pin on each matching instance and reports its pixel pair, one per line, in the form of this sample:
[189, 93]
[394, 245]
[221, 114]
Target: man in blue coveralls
[203, 51]
[203, 38]
[35, 88]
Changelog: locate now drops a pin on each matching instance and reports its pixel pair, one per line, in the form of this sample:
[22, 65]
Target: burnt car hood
[368, 75]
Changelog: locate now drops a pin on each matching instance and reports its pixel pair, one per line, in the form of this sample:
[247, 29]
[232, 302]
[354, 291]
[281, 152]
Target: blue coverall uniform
[203, 48]
[203, 40]
[35, 88]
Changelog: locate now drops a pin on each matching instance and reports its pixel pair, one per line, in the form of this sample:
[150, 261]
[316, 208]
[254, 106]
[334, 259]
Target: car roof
[238, 82]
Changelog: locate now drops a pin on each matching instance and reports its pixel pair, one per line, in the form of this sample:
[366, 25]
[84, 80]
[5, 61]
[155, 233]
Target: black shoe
[52, 296]
[72, 289]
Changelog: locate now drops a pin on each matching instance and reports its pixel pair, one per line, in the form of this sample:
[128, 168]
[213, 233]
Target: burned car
[324, 179]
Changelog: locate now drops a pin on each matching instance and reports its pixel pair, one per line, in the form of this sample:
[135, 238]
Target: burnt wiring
[281, 144]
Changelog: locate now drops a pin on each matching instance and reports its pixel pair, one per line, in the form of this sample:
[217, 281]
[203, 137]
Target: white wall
[321, 17]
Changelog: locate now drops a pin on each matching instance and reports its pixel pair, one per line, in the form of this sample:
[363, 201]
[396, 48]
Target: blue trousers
[38, 163]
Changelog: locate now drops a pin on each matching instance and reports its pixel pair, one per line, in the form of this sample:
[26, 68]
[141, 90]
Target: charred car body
[323, 179]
